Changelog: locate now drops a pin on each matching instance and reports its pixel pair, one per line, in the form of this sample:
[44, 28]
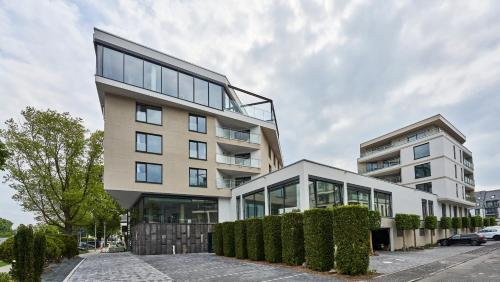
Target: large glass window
[179, 210]
[423, 170]
[186, 87]
[431, 207]
[112, 62]
[134, 71]
[426, 187]
[149, 143]
[359, 196]
[148, 114]
[424, 208]
[197, 177]
[238, 207]
[283, 199]
[324, 194]
[169, 82]
[421, 151]
[148, 172]
[254, 204]
[197, 123]
[197, 150]
[201, 91]
[215, 96]
[383, 203]
[152, 76]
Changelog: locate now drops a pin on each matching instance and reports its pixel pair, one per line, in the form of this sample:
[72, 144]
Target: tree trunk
[404, 241]
[371, 244]
[415, 237]
[445, 233]
[68, 228]
[432, 241]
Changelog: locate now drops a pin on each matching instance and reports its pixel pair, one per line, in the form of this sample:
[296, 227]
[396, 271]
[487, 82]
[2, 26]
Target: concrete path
[5, 268]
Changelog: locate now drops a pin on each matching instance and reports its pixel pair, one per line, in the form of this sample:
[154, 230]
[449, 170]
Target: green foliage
[240, 240]
[54, 249]
[466, 222]
[255, 239]
[4, 154]
[414, 221]
[271, 227]
[476, 221]
[351, 230]
[6, 250]
[403, 221]
[493, 221]
[228, 238]
[486, 221]
[292, 238]
[5, 277]
[218, 240]
[54, 166]
[39, 255]
[456, 222]
[430, 222]
[5, 228]
[318, 239]
[445, 222]
[69, 246]
[22, 268]
[374, 220]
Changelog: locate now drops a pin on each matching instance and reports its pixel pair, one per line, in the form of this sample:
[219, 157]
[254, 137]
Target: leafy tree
[445, 224]
[103, 209]
[415, 224]
[54, 166]
[5, 227]
[375, 221]
[4, 154]
[430, 222]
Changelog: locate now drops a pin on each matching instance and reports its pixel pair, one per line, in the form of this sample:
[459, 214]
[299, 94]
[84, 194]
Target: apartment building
[429, 156]
[177, 137]
[487, 203]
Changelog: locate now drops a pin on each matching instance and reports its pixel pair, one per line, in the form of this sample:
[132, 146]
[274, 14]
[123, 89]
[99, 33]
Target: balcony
[468, 163]
[232, 160]
[391, 178]
[229, 183]
[374, 166]
[232, 134]
[470, 198]
[469, 181]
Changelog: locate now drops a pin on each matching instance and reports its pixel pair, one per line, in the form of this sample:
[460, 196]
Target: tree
[54, 165]
[415, 224]
[103, 210]
[403, 223]
[4, 154]
[374, 219]
[445, 224]
[456, 223]
[5, 227]
[430, 222]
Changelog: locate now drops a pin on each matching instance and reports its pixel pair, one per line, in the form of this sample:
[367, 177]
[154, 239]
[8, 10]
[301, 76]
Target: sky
[339, 72]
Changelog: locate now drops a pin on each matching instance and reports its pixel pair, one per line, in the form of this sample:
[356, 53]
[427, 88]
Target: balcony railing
[392, 178]
[469, 181]
[470, 198]
[232, 134]
[468, 164]
[232, 160]
[229, 183]
[384, 164]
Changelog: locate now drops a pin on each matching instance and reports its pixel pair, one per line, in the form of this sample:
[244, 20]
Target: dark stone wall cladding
[156, 238]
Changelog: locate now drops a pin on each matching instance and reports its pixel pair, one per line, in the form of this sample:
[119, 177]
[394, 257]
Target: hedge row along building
[184, 149]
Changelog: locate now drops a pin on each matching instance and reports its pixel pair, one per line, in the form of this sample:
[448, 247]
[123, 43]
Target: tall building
[177, 136]
[428, 155]
[487, 203]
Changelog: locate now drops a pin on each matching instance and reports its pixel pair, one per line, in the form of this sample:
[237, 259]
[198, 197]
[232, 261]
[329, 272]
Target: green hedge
[255, 239]
[493, 221]
[351, 231]
[228, 238]
[374, 220]
[430, 222]
[486, 221]
[403, 221]
[240, 240]
[465, 222]
[445, 222]
[292, 238]
[6, 253]
[218, 240]
[271, 227]
[22, 268]
[318, 239]
[476, 221]
[39, 253]
[456, 222]
[69, 248]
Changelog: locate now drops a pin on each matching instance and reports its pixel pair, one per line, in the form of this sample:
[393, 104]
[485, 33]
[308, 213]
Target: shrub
[228, 238]
[456, 223]
[39, 253]
[240, 240]
[6, 248]
[69, 246]
[403, 222]
[5, 277]
[22, 268]
[292, 238]
[486, 221]
[445, 223]
[54, 251]
[318, 239]
[218, 240]
[415, 224]
[465, 222]
[430, 222]
[351, 229]
[476, 221]
[493, 221]
[255, 239]
[271, 228]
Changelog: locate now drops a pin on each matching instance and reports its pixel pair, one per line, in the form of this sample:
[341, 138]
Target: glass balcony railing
[469, 181]
[381, 165]
[232, 134]
[229, 183]
[232, 160]
[470, 198]
[468, 164]
[391, 178]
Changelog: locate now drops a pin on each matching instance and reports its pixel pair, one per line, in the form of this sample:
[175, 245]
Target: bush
[430, 222]
[456, 222]
[22, 268]
[228, 238]
[255, 239]
[39, 253]
[445, 223]
[403, 222]
[486, 221]
[218, 240]
[271, 228]
[374, 220]
[351, 229]
[465, 222]
[54, 251]
[6, 248]
[476, 221]
[292, 238]
[5, 277]
[493, 221]
[240, 240]
[69, 246]
[318, 239]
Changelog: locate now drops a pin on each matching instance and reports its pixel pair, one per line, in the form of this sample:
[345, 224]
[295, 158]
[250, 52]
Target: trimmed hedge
[374, 220]
[465, 222]
[240, 240]
[493, 221]
[445, 223]
[6, 253]
[255, 239]
[404, 222]
[292, 238]
[228, 238]
[476, 221]
[486, 221]
[218, 240]
[456, 222]
[39, 253]
[318, 239]
[271, 227]
[351, 229]
[22, 268]
[430, 222]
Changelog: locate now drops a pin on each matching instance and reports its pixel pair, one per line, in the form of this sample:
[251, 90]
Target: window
[197, 150]
[197, 177]
[254, 204]
[431, 207]
[169, 209]
[197, 123]
[461, 156]
[112, 64]
[456, 176]
[148, 172]
[215, 96]
[148, 143]
[238, 207]
[415, 136]
[357, 195]
[282, 199]
[152, 76]
[323, 193]
[371, 166]
[426, 187]
[201, 91]
[421, 151]
[424, 208]
[186, 87]
[169, 84]
[456, 187]
[455, 214]
[383, 203]
[462, 174]
[148, 114]
[443, 210]
[133, 71]
[477, 212]
[454, 153]
[423, 170]
[269, 151]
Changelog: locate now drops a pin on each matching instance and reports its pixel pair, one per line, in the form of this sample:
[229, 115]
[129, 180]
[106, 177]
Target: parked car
[463, 239]
[492, 232]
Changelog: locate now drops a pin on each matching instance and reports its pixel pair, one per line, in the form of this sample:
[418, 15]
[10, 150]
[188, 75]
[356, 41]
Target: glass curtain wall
[358, 196]
[383, 203]
[324, 194]
[283, 198]
[254, 204]
[177, 210]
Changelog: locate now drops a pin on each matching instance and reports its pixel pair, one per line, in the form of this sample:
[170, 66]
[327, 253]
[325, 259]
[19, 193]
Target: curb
[73, 270]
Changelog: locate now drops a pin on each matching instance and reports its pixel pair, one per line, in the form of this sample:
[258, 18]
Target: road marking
[73, 270]
[286, 277]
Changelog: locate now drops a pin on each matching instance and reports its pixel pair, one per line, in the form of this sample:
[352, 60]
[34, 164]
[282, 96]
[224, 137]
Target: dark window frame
[255, 209]
[425, 169]
[426, 186]
[281, 187]
[357, 189]
[423, 156]
[197, 150]
[315, 179]
[146, 181]
[146, 152]
[424, 208]
[197, 177]
[375, 200]
[197, 125]
[160, 109]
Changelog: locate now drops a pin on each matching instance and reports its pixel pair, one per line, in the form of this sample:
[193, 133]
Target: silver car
[491, 232]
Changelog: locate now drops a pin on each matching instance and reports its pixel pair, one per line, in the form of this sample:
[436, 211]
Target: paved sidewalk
[56, 272]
